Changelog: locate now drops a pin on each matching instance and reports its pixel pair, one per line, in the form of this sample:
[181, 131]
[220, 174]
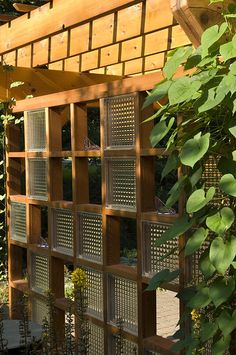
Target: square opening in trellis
[18, 222]
[38, 225]
[95, 183]
[120, 121]
[62, 230]
[167, 313]
[18, 262]
[39, 273]
[89, 236]
[123, 303]
[16, 176]
[38, 178]
[128, 241]
[15, 134]
[121, 183]
[66, 135]
[92, 141]
[36, 130]
[67, 179]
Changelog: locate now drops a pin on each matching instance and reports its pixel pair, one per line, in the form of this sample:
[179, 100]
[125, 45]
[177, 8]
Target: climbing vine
[203, 101]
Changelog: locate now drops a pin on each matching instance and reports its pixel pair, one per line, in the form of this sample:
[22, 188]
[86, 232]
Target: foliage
[203, 101]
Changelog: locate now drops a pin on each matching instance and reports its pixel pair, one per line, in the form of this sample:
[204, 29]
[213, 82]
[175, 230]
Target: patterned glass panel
[39, 273]
[121, 183]
[152, 254]
[36, 127]
[18, 222]
[96, 340]
[123, 303]
[123, 346]
[63, 230]
[39, 310]
[38, 178]
[90, 236]
[151, 352]
[120, 114]
[94, 293]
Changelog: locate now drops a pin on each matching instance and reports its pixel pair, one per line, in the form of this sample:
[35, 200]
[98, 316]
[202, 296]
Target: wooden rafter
[6, 17]
[24, 7]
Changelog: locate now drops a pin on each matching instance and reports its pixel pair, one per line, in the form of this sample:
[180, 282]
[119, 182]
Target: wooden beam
[24, 7]
[6, 17]
[47, 20]
[194, 16]
[38, 82]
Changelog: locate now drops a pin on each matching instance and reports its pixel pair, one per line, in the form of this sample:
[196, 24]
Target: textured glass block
[63, 230]
[94, 292]
[152, 254]
[123, 302]
[120, 345]
[18, 222]
[167, 313]
[39, 310]
[37, 177]
[36, 130]
[89, 230]
[121, 183]
[120, 115]
[39, 273]
[96, 340]
[151, 352]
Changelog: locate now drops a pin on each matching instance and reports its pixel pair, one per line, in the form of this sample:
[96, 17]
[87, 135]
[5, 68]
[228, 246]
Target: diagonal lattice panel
[18, 222]
[90, 236]
[121, 183]
[120, 115]
[37, 177]
[123, 306]
[36, 130]
[63, 230]
[152, 262]
[39, 273]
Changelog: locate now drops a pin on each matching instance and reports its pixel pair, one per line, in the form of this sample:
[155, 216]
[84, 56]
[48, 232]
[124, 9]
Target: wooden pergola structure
[89, 49]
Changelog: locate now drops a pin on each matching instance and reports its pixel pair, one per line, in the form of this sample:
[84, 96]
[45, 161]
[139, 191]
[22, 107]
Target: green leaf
[183, 89]
[228, 184]
[160, 91]
[195, 241]
[211, 36]
[212, 99]
[227, 84]
[179, 56]
[160, 131]
[161, 277]
[206, 266]
[228, 50]
[222, 253]
[176, 191]
[221, 221]
[227, 322]
[194, 149]
[221, 289]
[177, 228]
[198, 199]
[196, 176]
[221, 346]
[208, 330]
[233, 131]
[200, 300]
[171, 164]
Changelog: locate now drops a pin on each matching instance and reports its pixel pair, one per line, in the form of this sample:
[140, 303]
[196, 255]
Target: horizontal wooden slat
[24, 30]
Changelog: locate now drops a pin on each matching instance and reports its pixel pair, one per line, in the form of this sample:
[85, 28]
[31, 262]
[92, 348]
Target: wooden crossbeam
[6, 17]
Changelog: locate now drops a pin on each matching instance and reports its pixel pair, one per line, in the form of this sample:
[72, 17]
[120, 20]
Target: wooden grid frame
[73, 104]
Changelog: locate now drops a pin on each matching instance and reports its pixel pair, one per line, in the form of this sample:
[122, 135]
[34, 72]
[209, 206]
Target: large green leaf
[195, 241]
[212, 99]
[233, 131]
[208, 330]
[201, 299]
[160, 131]
[221, 289]
[183, 89]
[221, 221]
[227, 84]
[176, 191]
[221, 346]
[196, 176]
[171, 164]
[177, 228]
[222, 253]
[206, 266]
[194, 149]
[211, 36]
[158, 92]
[178, 57]
[227, 322]
[228, 184]
[199, 199]
[161, 277]
[228, 50]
